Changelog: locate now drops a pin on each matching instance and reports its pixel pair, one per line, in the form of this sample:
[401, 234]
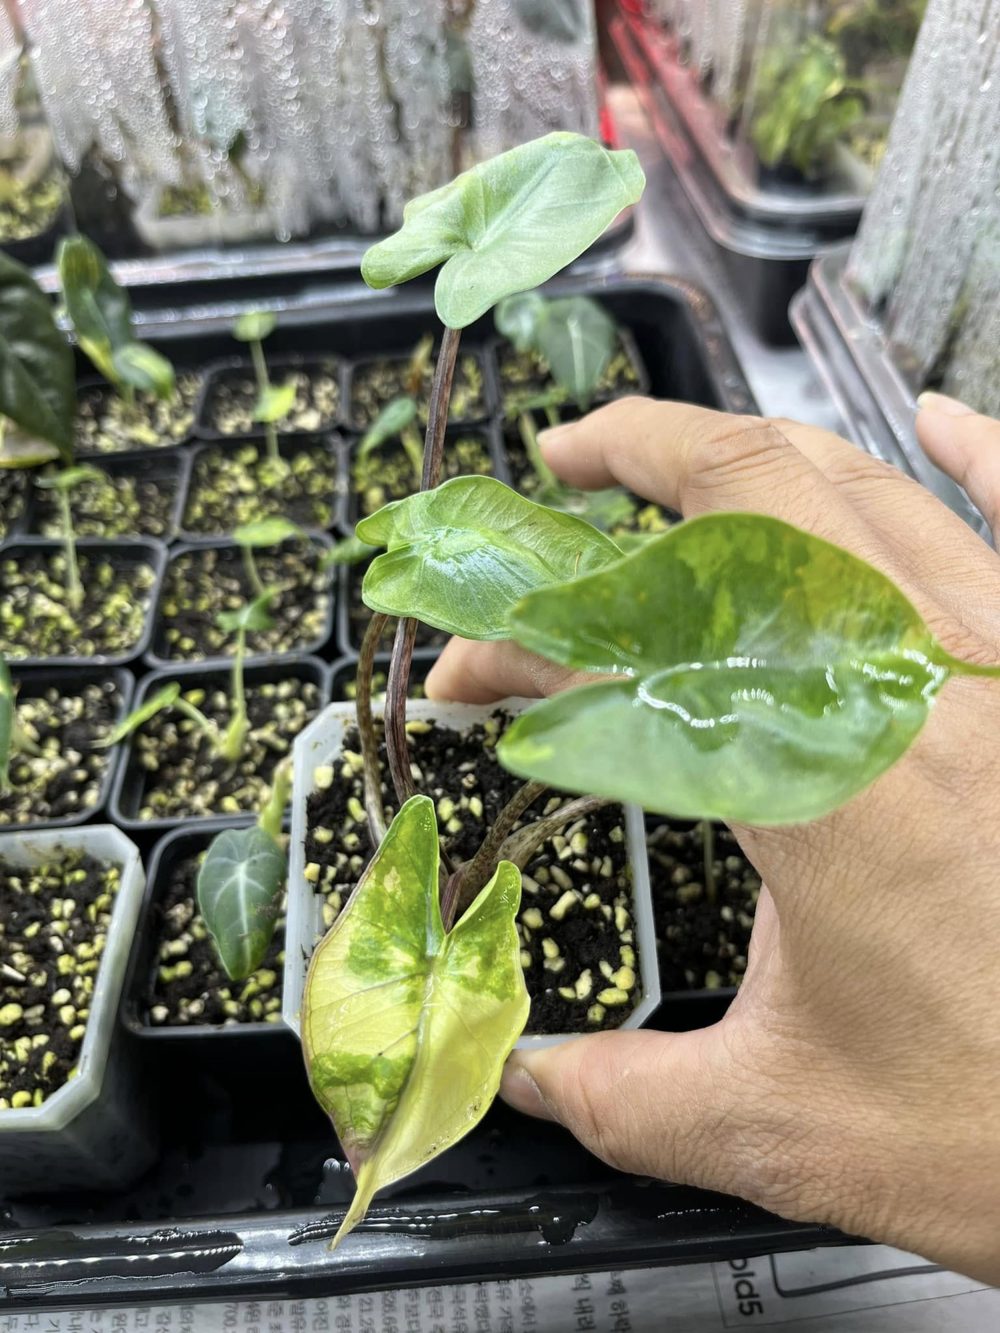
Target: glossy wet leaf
[561, 20]
[99, 309]
[37, 377]
[275, 402]
[8, 703]
[577, 337]
[252, 617]
[68, 478]
[348, 551]
[394, 418]
[142, 368]
[766, 675]
[517, 317]
[240, 887]
[406, 1029]
[254, 326]
[508, 224]
[266, 532]
[460, 557]
[156, 703]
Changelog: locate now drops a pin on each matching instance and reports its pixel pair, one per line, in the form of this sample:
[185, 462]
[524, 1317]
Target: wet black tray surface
[249, 1183]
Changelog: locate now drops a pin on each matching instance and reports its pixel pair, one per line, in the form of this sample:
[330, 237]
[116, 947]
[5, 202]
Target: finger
[480, 673]
[966, 446]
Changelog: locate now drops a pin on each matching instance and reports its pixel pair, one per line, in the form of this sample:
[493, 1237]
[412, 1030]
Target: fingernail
[553, 434]
[940, 402]
[519, 1089]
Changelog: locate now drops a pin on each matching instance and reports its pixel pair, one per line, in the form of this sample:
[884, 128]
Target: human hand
[855, 1079]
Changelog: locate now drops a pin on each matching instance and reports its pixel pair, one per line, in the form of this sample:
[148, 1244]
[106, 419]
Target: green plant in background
[259, 535]
[274, 401]
[804, 105]
[397, 420]
[100, 312]
[62, 483]
[37, 378]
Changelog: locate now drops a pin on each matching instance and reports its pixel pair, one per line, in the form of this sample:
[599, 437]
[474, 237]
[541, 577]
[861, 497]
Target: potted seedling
[124, 497]
[273, 559]
[768, 708]
[238, 403]
[141, 404]
[374, 385]
[233, 483]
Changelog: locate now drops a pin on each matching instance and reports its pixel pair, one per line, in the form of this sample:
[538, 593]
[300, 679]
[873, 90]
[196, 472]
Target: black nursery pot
[93, 389]
[129, 788]
[499, 348]
[223, 375]
[162, 470]
[359, 418]
[72, 680]
[157, 654]
[126, 556]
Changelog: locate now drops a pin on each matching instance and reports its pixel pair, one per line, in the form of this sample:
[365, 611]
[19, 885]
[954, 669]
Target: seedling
[274, 401]
[13, 740]
[259, 535]
[101, 314]
[62, 484]
[37, 381]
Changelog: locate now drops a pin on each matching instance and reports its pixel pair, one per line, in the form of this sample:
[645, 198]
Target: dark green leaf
[405, 1028]
[254, 326]
[275, 403]
[508, 224]
[460, 557]
[142, 368]
[8, 703]
[577, 337]
[99, 310]
[240, 885]
[394, 418]
[564, 21]
[156, 703]
[37, 379]
[767, 675]
[266, 532]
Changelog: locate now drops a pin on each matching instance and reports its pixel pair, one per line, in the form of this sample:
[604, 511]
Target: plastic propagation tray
[250, 1183]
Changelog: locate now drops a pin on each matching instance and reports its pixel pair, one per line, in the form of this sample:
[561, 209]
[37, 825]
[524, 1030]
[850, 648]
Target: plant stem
[708, 859]
[198, 717]
[529, 438]
[252, 572]
[552, 415]
[231, 746]
[521, 846]
[273, 813]
[961, 668]
[374, 806]
[412, 443]
[74, 588]
[463, 886]
[263, 384]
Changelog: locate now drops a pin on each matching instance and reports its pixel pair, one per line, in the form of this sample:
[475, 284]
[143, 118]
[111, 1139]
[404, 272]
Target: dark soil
[188, 987]
[374, 384]
[36, 621]
[528, 373]
[575, 920]
[106, 424]
[358, 616]
[386, 474]
[345, 682]
[67, 774]
[702, 945]
[13, 498]
[174, 772]
[56, 920]
[200, 584]
[117, 505]
[230, 487]
[232, 396]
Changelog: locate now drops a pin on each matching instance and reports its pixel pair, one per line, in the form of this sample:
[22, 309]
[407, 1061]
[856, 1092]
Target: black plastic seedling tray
[250, 1184]
[163, 467]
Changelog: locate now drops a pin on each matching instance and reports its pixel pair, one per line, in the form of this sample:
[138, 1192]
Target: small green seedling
[397, 420]
[348, 551]
[62, 484]
[101, 315]
[258, 535]
[274, 401]
[37, 379]
[13, 740]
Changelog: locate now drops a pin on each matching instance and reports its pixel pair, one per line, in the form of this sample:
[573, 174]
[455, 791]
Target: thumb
[966, 446]
[649, 1103]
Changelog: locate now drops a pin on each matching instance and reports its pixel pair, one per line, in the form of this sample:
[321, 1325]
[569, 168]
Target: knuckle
[743, 451]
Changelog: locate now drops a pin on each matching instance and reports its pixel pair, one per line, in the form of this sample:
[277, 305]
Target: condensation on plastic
[95, 1132]
[320, 744]
[926, 256]
[311, 111]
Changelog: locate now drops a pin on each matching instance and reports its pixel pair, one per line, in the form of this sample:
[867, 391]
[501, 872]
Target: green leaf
[394, 418]
[37, 378]
[68, 478]
[577, 337]
[156, 703]
[254, 326]
[562, 20]
[8, 703]
[251, 617]
[21, 451]
[406, 1029]
[142, 368]
[605, 509]
[517, 319]
[460, 557]
[768, 676]
[266, 532]
[508, 224]
[99, 310]
[275, 402]
[240, 885]
[348, 551]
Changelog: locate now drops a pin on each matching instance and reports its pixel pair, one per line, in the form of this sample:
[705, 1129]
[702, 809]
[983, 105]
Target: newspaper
[869, 1288]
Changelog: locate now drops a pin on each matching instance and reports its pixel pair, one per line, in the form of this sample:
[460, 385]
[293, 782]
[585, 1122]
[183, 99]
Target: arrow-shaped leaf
[768, 675]
[461, 556]
[577, 337]
[240, 884]
[99, 309]
[37, 378]
[508, 224]
[406, 1029]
